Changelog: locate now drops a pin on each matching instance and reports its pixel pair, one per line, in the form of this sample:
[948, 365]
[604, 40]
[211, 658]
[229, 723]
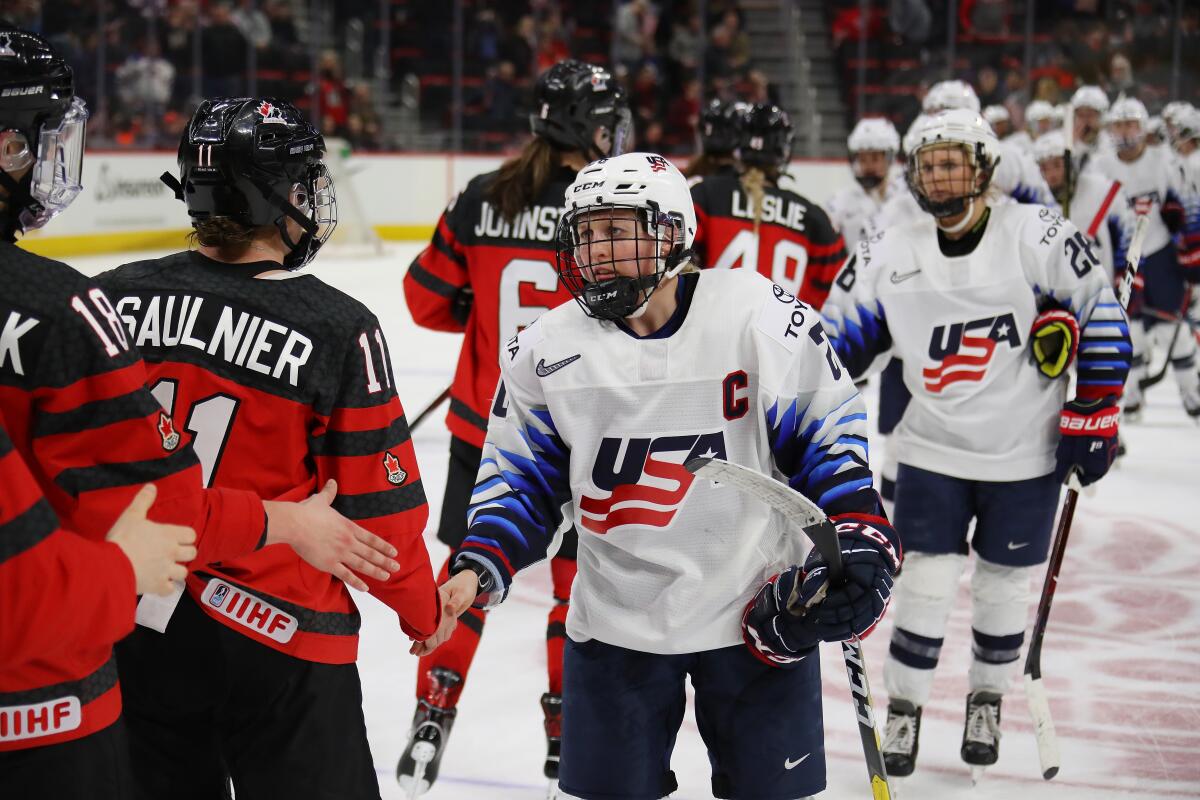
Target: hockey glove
[798, 608]
[1054, 341]
[1089, 438]
[461, 304]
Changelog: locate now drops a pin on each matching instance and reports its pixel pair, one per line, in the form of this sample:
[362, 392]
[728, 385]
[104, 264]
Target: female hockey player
[988, 435]
[854, 211]
[720, 132]
[600, 404]
[748, 221]
[489, 272]
[282, 383]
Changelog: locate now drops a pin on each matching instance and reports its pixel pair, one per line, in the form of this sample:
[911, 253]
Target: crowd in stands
[1123, 46]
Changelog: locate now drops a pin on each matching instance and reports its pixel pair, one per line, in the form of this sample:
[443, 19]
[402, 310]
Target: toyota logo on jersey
[958, 355]
[644, 479]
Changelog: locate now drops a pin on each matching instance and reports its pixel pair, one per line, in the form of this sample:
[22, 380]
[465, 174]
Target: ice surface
[1121, 657]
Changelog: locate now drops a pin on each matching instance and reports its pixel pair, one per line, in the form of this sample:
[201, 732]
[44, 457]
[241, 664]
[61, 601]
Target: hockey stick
[816, 525]
[429, 409]
[1035, 690]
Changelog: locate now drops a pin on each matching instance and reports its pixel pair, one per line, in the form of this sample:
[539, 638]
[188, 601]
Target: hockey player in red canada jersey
[720, 133]
[749, 221]
[282, 383]
[74, 402]
[678, 576]
[990, 433]
[489, 272]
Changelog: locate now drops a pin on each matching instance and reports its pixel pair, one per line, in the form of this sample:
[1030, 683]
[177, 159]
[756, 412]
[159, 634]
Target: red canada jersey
[64, 601]
[797, 246]
[509, 265]
[279, 385]
[74, 405]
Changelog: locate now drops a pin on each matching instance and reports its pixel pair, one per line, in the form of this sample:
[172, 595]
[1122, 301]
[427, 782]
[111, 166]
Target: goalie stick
[816, 525]
[1035, 690]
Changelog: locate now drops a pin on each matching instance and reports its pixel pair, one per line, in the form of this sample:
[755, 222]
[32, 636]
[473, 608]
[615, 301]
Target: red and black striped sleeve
[826, 253]
[97, 435]
[438, 273]
[364, 444]
[58, 591]
[700, 242]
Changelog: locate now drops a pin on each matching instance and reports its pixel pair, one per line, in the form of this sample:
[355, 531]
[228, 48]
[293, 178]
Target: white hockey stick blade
[1043, 726]
[779, 496]
[1133, 259]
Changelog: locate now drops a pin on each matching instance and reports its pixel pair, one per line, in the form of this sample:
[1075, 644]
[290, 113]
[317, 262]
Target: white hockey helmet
[1052, 144]
[1090, 97]
[1157, 127]
[911, 135]
[874, 133]
[1127, 108]
[657, 193]
[945, 95]
[1174, 110]
[994, 114]
[1187, 126]
[955, 127]
[1037, 111]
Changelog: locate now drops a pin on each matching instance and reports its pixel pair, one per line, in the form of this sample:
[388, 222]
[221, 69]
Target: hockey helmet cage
[572, 100]
[657, 194]
[42, 127]
[956, 127]
[721, 127]
[258, 162]
[766, 137]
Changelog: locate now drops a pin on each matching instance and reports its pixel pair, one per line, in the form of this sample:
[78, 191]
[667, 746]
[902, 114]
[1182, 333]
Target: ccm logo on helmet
[583, 187]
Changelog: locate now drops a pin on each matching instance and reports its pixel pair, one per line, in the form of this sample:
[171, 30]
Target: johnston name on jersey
[595, 423]
[980, 409]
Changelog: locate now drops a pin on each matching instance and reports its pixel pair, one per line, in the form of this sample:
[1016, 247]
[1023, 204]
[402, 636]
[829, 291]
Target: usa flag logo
[657, 163]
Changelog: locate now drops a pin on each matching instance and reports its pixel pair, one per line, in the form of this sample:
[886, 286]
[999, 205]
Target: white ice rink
[1121, 657]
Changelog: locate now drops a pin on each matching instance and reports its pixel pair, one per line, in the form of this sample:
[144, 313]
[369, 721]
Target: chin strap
[962, 224]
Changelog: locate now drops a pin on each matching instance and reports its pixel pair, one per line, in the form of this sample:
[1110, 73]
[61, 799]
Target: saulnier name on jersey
[594, 424]
[961, 325]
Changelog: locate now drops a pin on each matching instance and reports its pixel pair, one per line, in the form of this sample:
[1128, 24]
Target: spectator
[686, 40]
[634, 31]
[739, 41]
[910, 20]
[1089, 54]
[253, 24]
[552, 46]
[500, 98]
[683, 117]
[145, 80]
[334, 107]
[520, 47]
[987, 86]
[224, 49]
[363, 126]
[1120, 78]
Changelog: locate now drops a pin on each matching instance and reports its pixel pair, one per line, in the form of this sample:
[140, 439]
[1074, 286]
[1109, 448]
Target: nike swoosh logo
[1014, 546]
[899, 278]
[543, 369]
[789, 764]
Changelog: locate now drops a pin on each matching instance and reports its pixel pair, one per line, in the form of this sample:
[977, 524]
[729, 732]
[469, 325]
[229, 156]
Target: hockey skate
[418, 767]
[900, 738]
[981, 734]
[552, 708]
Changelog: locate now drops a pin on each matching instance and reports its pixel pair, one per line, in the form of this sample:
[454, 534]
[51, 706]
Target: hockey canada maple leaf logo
[395, 474]
[643, 479]
[166, 429]
[960, 356]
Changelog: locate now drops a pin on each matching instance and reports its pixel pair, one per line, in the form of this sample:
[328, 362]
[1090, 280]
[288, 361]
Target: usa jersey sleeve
[1181, 213]
[438, 273]
[97, 435]
[1066, 273]
[1120, 221]
[524, 476]
[58, 591]
[363, 443]
[853, 314]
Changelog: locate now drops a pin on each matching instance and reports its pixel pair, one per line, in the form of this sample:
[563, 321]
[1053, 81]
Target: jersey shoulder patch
[784, 318]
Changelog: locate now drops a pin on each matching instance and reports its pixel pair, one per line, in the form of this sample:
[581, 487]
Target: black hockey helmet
[257, 162]
[766, 137]
[721, 127]
[42, 127]
[572, 100]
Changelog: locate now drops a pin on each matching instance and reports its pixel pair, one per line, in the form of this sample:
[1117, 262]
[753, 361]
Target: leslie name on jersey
[224, 331]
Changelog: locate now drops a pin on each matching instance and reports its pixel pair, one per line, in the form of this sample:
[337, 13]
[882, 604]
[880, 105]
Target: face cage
[619, 296]
[316, 200]
[954, 205]
[869, 182]
[55, 180]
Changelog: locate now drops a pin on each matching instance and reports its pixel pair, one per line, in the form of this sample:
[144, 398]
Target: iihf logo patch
[166, 429]
[395, 474]
[657, 163]
[218, 596]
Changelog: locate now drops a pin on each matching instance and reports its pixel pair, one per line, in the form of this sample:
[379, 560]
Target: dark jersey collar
[251, 269]
[685, 287]
[967, 244]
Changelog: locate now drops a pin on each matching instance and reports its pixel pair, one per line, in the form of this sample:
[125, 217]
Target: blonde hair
[754, 181]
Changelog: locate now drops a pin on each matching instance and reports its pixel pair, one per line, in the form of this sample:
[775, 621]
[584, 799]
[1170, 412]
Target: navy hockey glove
[798, 609]
[1089, 438]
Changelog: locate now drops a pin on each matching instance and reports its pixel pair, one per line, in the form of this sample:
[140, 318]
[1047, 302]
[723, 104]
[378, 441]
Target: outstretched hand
[456, 596]
[328, 541]
[157, 552]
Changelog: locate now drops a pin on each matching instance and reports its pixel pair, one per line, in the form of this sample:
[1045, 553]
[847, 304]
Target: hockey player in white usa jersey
[1098, 205]
[1158, 190]
[854, 211]
[600, 404]
[960, 296]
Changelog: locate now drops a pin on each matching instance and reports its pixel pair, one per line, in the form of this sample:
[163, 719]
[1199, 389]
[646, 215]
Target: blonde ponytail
[753, 181]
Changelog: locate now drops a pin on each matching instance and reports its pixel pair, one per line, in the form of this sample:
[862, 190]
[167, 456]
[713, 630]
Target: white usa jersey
[980, 409]
[1155, 186]
[854, 211]
[1100, 208]
[595, 423]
